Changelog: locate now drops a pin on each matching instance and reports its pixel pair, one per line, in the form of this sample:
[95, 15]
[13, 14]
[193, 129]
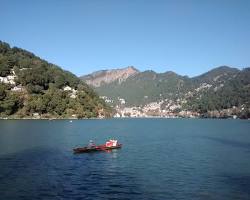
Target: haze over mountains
[214, 91]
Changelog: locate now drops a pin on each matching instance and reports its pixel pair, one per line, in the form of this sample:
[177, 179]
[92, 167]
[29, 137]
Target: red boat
[109, 145]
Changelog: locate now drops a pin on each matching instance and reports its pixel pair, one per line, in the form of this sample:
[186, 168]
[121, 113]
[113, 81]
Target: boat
[108, 146]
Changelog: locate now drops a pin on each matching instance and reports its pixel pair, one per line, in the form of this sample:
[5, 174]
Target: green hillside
[144, 87]
[230, 88]
[32, 87]
[218, 89]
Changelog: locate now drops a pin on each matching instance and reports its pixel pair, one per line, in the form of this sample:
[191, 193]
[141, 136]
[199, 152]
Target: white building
[67, 88]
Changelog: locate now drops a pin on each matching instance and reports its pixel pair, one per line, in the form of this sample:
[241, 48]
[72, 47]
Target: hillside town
[167, 109]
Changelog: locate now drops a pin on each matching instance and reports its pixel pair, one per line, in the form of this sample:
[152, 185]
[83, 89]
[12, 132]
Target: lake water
[160, 159]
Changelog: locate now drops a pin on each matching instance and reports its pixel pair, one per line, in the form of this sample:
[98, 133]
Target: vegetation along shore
[32, 88]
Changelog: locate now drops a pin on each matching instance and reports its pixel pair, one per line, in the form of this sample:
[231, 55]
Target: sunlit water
[160, 159]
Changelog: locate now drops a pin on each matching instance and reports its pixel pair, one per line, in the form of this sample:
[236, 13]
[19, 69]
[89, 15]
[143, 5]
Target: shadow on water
[227, 142]
[53, 174]
[238, 185]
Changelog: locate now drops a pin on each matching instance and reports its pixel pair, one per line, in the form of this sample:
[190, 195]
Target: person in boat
[91, 144]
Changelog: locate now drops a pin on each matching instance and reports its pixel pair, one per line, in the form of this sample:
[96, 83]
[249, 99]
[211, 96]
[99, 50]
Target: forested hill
[33, 88]
[217, 90]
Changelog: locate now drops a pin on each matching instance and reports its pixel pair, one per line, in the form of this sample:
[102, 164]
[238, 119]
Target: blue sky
[186, 36]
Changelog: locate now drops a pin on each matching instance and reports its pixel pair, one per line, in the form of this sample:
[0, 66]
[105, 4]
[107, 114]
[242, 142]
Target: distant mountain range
[209, 94]
[34, 88]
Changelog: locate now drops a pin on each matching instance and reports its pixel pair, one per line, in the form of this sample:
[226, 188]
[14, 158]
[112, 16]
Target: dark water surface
[161, 159]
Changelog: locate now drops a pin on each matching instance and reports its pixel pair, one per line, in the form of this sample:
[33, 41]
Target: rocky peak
[99, 78]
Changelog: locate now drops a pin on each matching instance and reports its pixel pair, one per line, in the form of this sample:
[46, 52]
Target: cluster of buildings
[164, 108]
[152, 112]
[72, 92]
[10, 79]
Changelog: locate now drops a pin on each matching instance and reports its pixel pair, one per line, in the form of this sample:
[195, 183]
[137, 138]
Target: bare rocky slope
[222, 91]
[103, 77]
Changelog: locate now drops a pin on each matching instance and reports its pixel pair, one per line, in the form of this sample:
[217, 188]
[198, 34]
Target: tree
[10, 105]
[2, 91]
[4, 67]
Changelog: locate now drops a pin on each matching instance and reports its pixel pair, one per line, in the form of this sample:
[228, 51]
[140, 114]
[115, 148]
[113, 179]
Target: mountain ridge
[101, 77]
[90, 78]
[218, 89]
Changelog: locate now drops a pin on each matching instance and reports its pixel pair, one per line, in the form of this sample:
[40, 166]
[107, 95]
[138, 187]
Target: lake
[160, 159]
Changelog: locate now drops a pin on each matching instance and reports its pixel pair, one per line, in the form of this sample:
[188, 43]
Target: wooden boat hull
[95, 148]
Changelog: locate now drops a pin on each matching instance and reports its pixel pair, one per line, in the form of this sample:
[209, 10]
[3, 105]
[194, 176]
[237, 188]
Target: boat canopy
[111, 143]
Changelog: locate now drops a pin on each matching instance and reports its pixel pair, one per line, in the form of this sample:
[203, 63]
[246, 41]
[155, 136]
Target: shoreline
[151, 117]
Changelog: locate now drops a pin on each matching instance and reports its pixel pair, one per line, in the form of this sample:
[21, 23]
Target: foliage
[235, 92]
[43, 85]
[10, 104]
[227, 88]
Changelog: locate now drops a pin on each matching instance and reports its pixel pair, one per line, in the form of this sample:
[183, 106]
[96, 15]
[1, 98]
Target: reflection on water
[114, 153]
[160, 159]
[47, 173]
[225, 141]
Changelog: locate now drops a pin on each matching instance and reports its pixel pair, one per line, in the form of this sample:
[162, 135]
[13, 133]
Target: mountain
[223, 90]
[215, 75]
[33, 88]
[103, 77]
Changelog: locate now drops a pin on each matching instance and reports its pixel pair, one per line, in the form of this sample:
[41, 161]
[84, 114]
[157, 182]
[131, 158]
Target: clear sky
[186, 36]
